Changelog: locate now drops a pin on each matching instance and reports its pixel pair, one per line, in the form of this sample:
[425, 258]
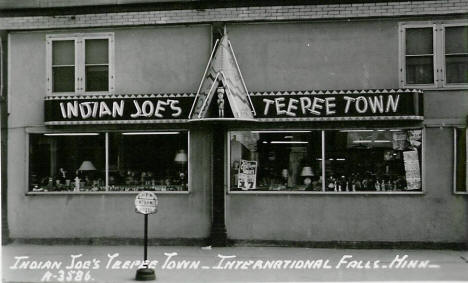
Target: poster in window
[399, 140]
[412, 171]
[415, 138]
[247, 175]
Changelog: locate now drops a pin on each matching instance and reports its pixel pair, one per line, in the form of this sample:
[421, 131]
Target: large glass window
[148, 161]
[378, 160]
[287, 160]
[373, 160]
[123, 161]
[63, 162]
[461, 168]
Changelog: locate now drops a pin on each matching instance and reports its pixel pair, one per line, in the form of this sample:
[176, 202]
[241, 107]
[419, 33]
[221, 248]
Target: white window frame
[402, 50]
[438, 38]
[80, 78]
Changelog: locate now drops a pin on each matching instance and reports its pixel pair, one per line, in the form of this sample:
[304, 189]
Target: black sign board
[332, 104]
[118, 108]
[269, 106]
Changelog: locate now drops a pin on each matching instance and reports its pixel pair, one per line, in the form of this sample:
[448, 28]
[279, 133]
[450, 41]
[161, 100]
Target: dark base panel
[109, 241]
[353, 245]
[244, 243]
[218, 237]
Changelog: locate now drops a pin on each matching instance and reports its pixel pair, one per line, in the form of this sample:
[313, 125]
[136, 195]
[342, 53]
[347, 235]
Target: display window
[67, 161]
[113, 161]
[461, 154]
[149, 161]
[274, 160]
[370, 160]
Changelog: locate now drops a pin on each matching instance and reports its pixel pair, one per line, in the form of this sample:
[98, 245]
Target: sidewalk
[37, 263]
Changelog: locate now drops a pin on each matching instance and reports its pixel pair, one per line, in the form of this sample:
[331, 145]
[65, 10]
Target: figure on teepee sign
[220, 101]
[222, 70]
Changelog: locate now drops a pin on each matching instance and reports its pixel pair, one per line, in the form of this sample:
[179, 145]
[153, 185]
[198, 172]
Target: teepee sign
[222, 79]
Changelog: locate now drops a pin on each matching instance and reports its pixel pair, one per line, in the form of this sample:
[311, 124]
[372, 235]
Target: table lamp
[307, 173]
[85, 166]
[181, 158]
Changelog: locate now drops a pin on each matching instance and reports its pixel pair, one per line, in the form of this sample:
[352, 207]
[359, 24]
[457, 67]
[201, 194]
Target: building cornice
[17, 10]
[212, 13]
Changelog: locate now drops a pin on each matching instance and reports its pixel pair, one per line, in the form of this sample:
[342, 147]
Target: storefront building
[319, 124]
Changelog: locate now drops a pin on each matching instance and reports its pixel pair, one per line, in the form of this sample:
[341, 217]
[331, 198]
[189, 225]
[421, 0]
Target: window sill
[322, 193]
[107, 193]
[461, 193]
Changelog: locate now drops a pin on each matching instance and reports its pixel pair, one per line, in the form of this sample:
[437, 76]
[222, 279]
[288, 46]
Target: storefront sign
[371, 103]
[128, 108]
[280, 106]
[146, 203]
[247, 175]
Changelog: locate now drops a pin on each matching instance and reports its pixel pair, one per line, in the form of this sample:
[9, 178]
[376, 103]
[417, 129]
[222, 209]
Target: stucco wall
[162, 60]
[347, 55]
[328, 55]
[446, 105]
[283, 56]
[148, 60]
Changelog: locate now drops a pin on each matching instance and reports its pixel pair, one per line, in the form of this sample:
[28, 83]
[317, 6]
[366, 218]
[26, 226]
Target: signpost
[146, 203]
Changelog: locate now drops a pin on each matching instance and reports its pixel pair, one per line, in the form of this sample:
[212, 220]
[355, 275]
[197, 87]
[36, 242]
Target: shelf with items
[365, 170]
[52, 184]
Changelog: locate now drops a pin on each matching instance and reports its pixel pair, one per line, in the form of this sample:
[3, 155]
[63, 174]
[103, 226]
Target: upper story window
[456, 54]
[419, 56]
[434, 55]
[79, 63]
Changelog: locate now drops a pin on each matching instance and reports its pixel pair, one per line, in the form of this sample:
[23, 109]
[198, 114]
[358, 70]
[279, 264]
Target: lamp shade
[181, 156]
[87, 166]
[307, 172]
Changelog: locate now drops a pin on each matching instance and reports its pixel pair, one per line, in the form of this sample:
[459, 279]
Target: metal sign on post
[146, 203]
